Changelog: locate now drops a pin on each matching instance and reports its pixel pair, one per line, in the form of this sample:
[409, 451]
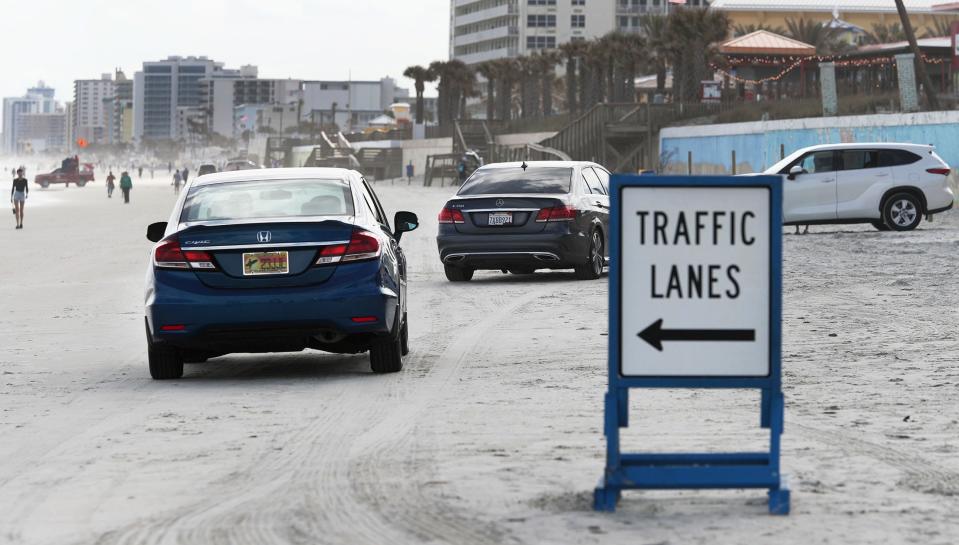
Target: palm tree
[825, 39]
[940, 27]
[573, 52]
[544, 64]
[694, 31]
[420, 76]
[507, 71]
[886, 34]
[488, 71]
[659, 46]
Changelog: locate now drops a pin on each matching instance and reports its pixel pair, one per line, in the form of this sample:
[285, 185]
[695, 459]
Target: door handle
[827, 181]
[884, 174]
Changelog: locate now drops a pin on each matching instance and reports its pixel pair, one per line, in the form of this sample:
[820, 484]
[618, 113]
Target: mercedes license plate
[256, 263]
[501, 218]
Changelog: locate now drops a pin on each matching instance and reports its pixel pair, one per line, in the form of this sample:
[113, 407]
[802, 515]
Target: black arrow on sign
[655, 334]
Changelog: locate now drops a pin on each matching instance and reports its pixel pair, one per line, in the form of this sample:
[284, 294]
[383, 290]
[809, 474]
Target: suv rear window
[268, 199]
[896, 157]
[493, 181]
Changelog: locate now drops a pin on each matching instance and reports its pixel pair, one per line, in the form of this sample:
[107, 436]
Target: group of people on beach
[126, 184]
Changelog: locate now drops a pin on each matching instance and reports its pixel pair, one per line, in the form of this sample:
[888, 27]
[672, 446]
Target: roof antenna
[524, 166]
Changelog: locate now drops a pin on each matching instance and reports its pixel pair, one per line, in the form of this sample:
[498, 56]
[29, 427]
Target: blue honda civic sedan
[277, 260]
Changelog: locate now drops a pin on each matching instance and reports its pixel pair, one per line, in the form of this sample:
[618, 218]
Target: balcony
[474, 58]
[485, 35]
[640, 10]
[483, 15]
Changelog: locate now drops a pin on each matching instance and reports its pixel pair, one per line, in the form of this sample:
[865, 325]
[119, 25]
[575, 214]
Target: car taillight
[168, 255]
[556, 213]
[451, 215]
[943, 171]
[362, 246]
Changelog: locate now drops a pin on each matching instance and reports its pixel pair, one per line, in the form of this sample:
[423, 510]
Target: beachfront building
[351, 105]
[92, 99]
[482, 30]
[37, 100]
[163, 89]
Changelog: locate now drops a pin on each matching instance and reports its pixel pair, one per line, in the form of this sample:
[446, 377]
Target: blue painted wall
[757, 144]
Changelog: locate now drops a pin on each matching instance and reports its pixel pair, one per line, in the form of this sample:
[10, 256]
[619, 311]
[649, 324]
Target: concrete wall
[418, 150]
[757, 144]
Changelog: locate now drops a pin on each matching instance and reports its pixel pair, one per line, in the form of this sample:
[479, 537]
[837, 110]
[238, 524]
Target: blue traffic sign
[695, 302]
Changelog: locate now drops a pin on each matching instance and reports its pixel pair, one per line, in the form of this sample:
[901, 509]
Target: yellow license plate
[255, 263]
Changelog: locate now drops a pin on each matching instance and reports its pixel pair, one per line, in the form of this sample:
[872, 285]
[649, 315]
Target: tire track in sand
[921, 474]
[391, 468]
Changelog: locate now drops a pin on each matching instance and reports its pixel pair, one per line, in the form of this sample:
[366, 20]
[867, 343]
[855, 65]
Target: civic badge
[500, 202]
[264, 236]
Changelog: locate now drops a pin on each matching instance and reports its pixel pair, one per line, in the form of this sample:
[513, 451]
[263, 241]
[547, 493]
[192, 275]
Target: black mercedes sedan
[520, 217]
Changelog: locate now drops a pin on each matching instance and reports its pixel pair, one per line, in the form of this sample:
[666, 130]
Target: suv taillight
[556, 213]
[168, 255]
[943, 171]
[451, 215]
[362, 246]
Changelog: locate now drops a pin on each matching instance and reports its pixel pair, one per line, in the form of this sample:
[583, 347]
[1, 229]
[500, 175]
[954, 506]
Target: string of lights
[840, 61]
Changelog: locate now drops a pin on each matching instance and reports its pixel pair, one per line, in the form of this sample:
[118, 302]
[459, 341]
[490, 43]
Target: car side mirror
[796, 170]
[155, 231]
[404, 221]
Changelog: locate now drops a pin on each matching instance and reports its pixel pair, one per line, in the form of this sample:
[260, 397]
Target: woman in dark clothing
[18, 196]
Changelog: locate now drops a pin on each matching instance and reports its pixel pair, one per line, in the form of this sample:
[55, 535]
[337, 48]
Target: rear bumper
[270, 320]
[541, 250]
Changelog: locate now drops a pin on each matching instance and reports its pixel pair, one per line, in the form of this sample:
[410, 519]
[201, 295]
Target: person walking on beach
[140, 173]
[126, 184]
[151, 170]
[409, 172]
[177, 179]
[186, 175]
[18, 196]
[110, 185]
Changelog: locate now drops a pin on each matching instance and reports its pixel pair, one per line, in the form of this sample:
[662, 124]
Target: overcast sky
[59, 41]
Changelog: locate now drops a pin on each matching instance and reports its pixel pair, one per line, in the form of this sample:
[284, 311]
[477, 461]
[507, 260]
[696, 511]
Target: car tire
[386, 355]
[456, 274]
[44, 184]
[81, 184]
[902, 212]
[405, 336]
[592, 268]
[165, 363]
[879, 225]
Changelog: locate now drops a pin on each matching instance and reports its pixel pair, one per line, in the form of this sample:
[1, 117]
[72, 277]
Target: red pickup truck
[70, 172]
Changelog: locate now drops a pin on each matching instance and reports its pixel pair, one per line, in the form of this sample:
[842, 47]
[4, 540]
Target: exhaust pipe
[455, 258]
[329, 336]
[546, 257]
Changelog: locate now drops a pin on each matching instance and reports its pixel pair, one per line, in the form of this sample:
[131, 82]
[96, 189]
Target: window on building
[578, 2]
[577, 20]
[541, 21]
[540, 42]
[541, 2]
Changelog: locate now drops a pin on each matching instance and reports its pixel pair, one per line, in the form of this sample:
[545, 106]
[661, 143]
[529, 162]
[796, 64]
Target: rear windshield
[515, 180]
[268, 199]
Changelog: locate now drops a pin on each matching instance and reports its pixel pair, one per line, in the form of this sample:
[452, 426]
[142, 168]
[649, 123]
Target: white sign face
[695, 282]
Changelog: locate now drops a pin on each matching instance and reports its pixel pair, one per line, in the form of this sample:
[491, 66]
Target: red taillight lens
[173, 327]
[943, 171]
[556, 213]
[168, 255]
[451, 215]
[363, 319]
[363, 245]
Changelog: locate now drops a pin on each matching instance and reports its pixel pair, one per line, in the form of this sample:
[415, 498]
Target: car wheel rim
[596, 254]
[903, 212]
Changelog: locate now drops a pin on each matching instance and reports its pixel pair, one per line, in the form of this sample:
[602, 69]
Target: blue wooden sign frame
[693, 470]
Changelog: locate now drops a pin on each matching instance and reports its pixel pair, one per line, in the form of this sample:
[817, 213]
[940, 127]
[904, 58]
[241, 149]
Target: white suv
[890, 186]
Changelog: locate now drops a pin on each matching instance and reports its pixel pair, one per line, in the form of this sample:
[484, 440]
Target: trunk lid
[522, 210]
[301, 240]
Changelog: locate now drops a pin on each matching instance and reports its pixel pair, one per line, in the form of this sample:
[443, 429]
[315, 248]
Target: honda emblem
[264, 236]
